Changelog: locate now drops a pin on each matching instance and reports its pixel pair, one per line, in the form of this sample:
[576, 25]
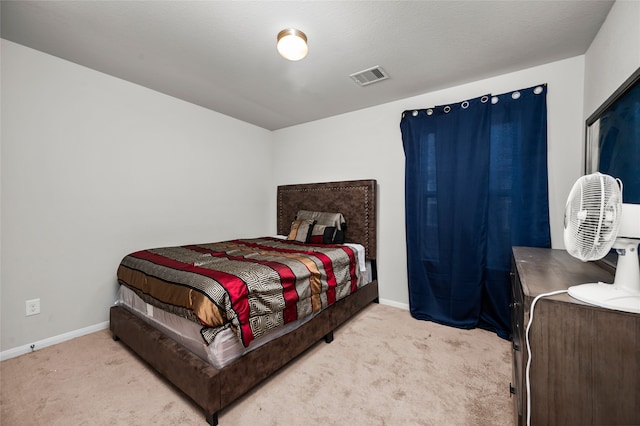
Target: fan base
[607, 296]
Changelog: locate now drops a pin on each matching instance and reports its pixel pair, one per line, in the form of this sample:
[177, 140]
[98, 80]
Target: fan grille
[591, 216]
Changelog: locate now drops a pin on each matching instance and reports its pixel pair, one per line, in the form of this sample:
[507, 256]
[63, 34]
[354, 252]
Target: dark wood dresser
[585, 360]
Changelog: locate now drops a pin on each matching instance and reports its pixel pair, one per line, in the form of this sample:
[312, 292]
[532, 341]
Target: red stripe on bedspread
[286, 275]
[352, 267]
[234, 286]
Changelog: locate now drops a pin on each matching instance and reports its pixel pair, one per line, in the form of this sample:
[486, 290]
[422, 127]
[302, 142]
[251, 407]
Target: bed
[214, 388]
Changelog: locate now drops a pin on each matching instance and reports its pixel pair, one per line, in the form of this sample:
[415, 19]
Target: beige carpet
[383, 368]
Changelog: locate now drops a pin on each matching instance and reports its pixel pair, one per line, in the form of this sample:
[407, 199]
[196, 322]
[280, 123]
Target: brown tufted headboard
[355, 199]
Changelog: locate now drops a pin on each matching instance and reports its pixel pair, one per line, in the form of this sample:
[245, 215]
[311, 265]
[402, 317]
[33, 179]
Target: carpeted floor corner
[383, 368]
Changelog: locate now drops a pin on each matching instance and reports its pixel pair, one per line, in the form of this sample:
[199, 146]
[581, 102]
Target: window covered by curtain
[475, 185]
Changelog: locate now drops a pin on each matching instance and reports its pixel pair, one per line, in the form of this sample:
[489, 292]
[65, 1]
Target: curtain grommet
[484, 99]
[494, 100]
[515, 95]
[415, 113]
[537, 90]
[429, 111]
[447, 109]
[465, 104]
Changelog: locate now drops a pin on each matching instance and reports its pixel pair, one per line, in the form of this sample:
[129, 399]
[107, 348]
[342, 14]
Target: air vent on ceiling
[369, 76]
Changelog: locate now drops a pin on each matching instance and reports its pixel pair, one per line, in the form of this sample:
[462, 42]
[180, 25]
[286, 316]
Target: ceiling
[221, 55]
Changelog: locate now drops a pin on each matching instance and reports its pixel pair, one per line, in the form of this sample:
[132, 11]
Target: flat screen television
[613, 142]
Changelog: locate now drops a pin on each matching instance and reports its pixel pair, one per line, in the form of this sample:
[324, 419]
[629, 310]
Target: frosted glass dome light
[292, 44]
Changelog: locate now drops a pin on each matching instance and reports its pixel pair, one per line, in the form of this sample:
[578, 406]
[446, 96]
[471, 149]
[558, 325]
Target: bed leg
[376, 300]
[212, 419]
[115, 337]
[329, 337]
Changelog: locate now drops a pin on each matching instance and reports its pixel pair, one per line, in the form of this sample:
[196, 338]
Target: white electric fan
[596, 220]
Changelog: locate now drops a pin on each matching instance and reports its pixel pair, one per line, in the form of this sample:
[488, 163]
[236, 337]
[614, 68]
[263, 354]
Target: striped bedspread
[252, 285]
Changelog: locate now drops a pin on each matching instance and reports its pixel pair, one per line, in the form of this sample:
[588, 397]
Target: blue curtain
[475, 185]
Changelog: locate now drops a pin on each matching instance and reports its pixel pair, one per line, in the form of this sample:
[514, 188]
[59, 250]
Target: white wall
[613, 55]
[93, 168]
[373, 134]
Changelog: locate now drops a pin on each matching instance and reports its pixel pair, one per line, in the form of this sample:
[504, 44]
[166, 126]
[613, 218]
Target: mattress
[226, 346]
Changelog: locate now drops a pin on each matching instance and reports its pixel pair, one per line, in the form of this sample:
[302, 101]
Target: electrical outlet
[32, 307]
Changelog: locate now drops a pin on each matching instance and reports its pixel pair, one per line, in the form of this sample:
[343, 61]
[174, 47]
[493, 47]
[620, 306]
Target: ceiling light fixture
[292, 44]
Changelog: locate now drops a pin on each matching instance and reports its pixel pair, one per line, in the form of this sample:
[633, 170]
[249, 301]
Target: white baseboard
[395, 304]
[21, 350]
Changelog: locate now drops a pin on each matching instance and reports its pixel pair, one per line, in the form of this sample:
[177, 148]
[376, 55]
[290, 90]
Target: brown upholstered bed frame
[214, 389]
